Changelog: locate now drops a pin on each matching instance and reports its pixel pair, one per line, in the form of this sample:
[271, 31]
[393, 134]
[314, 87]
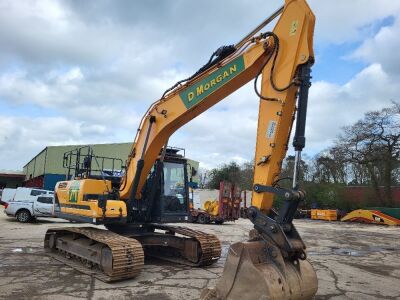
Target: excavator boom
[272, 264]
[251, 57]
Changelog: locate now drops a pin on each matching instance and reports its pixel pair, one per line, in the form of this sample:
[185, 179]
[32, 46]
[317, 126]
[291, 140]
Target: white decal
[271, 129]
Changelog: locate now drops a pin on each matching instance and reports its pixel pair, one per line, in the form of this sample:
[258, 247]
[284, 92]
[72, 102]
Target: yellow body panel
[324, 214]
[295, 49]
[211, 207]
[71, 196]
[370, 216]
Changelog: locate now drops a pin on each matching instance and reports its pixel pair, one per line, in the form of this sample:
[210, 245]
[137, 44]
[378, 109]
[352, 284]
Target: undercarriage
[111, 256]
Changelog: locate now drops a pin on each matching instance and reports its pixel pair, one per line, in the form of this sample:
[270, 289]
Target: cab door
[43, 206]
[174, 192]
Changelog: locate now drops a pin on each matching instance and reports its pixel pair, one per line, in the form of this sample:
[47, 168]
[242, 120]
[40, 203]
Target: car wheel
[23, 216]
[201, 219]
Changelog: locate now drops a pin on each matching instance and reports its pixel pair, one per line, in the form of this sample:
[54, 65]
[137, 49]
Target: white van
[29, 203]
[7, 194]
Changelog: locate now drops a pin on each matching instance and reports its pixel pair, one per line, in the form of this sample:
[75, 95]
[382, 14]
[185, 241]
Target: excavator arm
[272, 265]
[277, 56]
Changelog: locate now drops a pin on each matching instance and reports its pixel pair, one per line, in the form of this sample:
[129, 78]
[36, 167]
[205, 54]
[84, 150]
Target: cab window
[47, 200]
[37, 192]
[174, 187]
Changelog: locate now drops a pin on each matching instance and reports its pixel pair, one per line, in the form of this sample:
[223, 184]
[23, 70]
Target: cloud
[93, 68]
[334, 106]
[21, 138]
[93, 33]
[343, 21]
[382, 48]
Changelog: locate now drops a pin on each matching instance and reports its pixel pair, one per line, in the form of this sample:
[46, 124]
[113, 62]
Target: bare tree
[374, 144]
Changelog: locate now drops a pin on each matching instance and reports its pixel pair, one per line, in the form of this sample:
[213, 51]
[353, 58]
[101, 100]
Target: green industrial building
[46, 168]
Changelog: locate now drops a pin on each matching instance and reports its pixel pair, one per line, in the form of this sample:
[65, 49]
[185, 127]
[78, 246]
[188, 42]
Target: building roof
[73, 145]
[50, 161]
[12, 173]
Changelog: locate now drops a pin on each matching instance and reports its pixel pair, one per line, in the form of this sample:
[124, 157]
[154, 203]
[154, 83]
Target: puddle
[340, 251]
[22, 250]
[312, 253]
[224, 250]
[349, 252]
[381, 249]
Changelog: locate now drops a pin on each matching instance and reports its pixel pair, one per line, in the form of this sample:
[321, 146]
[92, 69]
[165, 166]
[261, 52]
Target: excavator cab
[166, 192]
[171, 198]
[174, 188]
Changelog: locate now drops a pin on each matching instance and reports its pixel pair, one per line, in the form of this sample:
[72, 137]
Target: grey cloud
[19, 143]
[99, 64]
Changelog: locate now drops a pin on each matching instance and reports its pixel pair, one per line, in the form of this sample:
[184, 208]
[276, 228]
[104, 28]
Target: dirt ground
[353, 261]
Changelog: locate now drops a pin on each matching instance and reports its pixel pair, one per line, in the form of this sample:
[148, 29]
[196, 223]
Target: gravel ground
[353, 261]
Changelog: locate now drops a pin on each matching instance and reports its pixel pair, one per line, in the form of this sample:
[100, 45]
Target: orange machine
[324, 214]
[370, 216]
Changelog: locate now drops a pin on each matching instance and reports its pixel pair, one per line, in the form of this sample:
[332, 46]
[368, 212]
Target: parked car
[7, 194]
[29, 203]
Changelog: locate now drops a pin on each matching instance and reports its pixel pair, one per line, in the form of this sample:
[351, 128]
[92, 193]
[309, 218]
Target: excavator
[273, 263]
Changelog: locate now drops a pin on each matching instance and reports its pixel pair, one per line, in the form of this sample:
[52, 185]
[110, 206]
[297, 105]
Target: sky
[77, 72]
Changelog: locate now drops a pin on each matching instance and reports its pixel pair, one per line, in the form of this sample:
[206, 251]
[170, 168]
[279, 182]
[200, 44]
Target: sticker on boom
[271, 129]
[196, 93]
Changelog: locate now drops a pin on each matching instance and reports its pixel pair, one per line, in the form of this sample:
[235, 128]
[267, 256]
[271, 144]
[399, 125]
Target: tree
[330, 167]
[241, 175]
[230, 172]
[247, 174]
[288, 168]
[203, 178]
[374, 144]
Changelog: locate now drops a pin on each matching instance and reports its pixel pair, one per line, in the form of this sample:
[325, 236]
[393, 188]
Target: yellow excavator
[153, 189]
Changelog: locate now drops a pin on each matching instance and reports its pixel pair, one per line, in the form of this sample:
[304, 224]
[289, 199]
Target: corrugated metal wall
[36, 167]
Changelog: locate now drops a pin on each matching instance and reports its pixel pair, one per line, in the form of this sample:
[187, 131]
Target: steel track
[127, 253]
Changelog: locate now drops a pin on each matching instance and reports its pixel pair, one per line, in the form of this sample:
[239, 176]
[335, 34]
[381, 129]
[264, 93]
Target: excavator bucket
[256, 270]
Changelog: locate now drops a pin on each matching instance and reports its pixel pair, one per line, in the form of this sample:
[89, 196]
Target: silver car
[28, 203]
